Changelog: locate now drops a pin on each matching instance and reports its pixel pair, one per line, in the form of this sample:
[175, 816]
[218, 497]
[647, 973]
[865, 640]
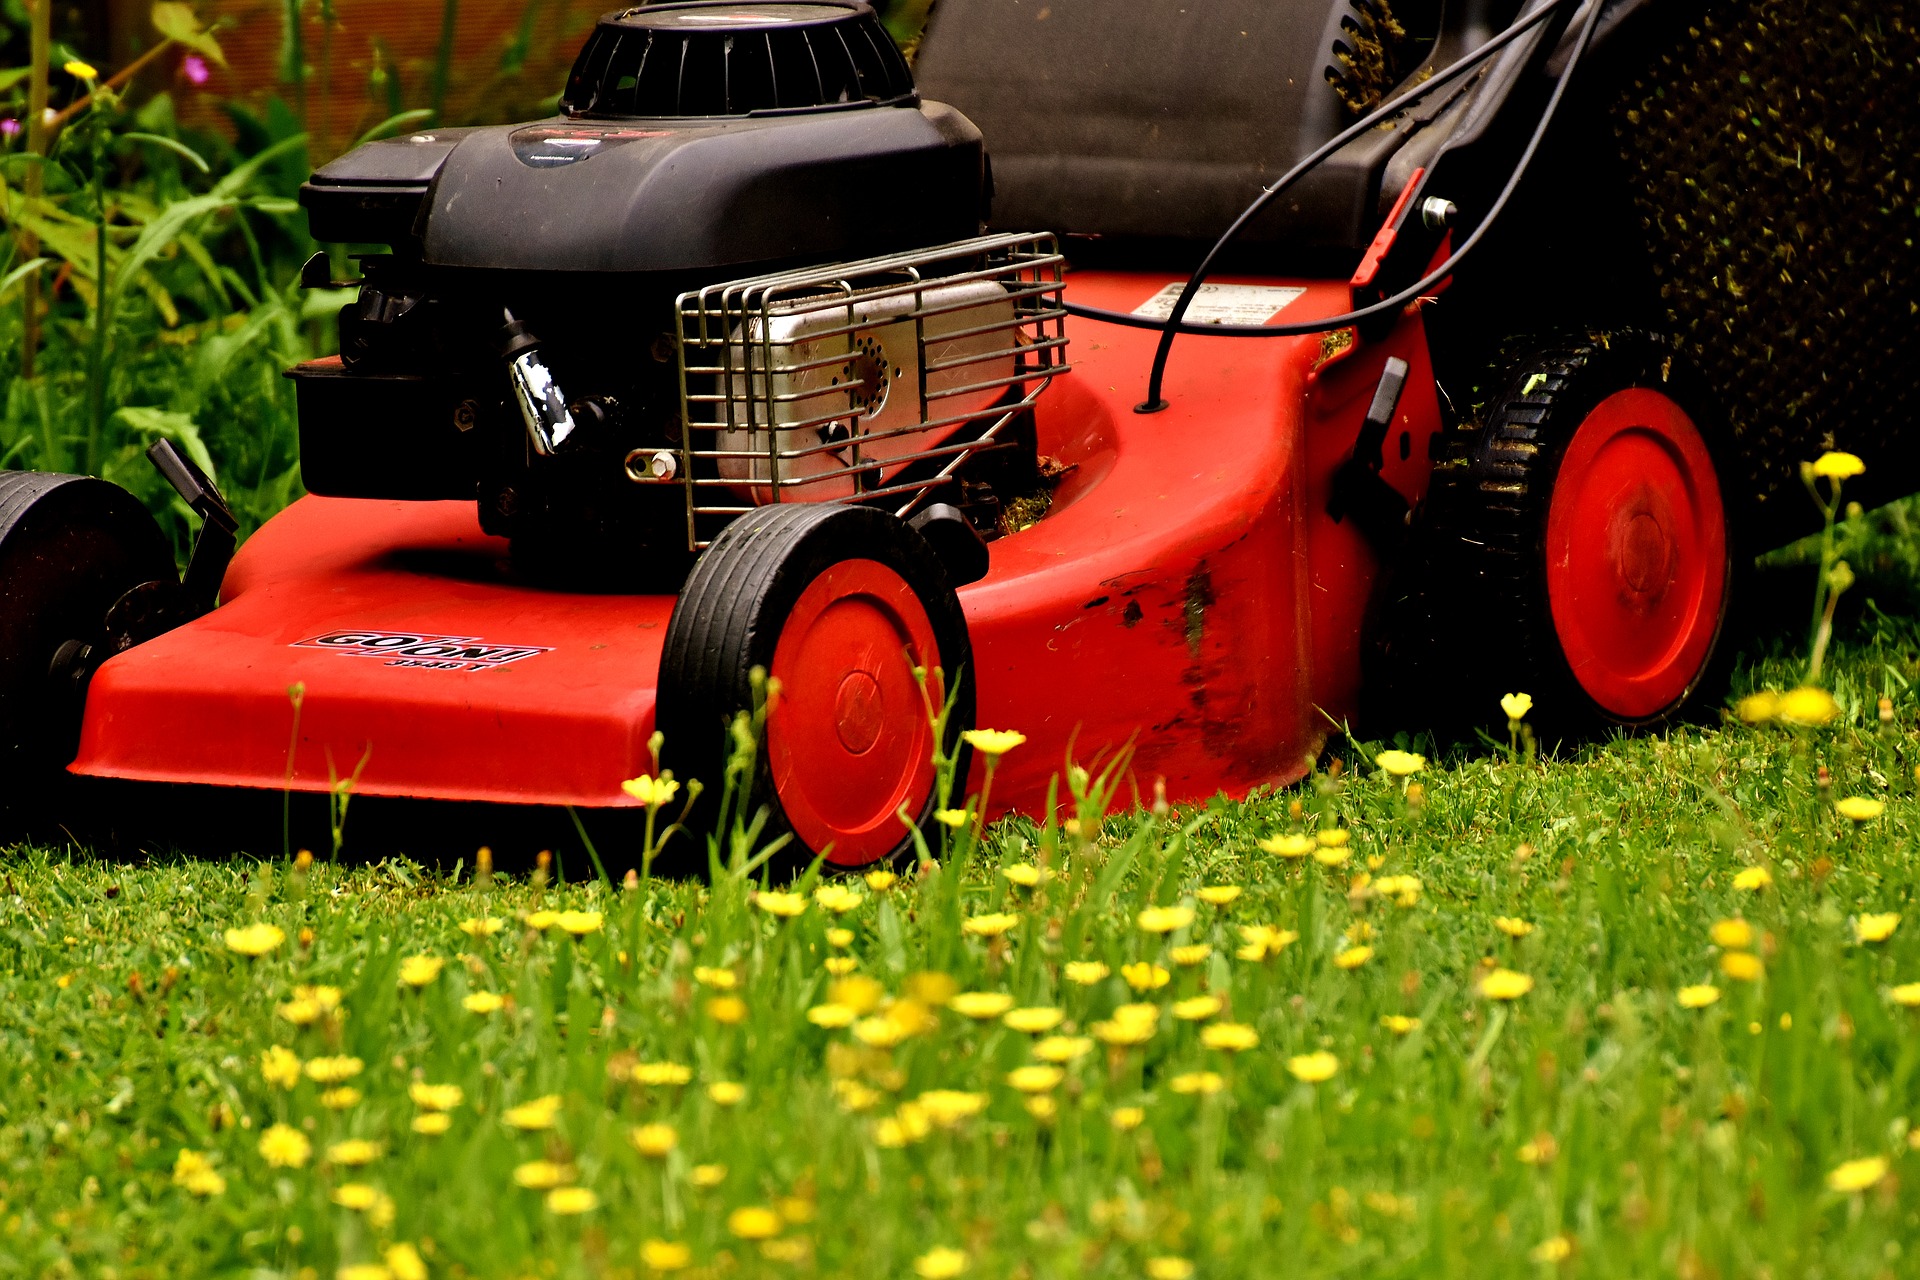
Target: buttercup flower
[255, 939]
[1859, 808]
[1131, 1024]
[1033, 1020]
[418, 971]
[1876, 927]
[1289, 845]
[482, 1002]
[650, 791]
[654, 1140]
[1333, 837]
[285, 1147]
[280, 1066]
[193, 1171]
[880, 881]
[729, 1011]
[403, 1260]
[1401, 764]
[1833, 465]
[1197, 1009]
[1553, 1249]
[1399, 1023]
[1229, 1037]
[1735, 934]
[1068, 1048]
[541, 921]
[1513, 926]
[1313, 1068]
[539, 1113]
[482, 926]
[581, 923]
[718, 979]
[1086, 973]
[991, 925]
[1858, 1175]
[1203, 1082]
[80, 70]
[1752, 879]
[993, 742]
[1168, 1267]
[1164, 919]
[981, 1004]
[1516, 705]
[831, 1016]
[431, 1123]
[707, 1175]
[1698, 997]
[754, 1222]
[726, 1093]
[1758, 707]
[1742, 966]
[1263, 941]
[1505, 984]
[340, 1099]
[773, 903]
[954, 818]
[1218, 895]
[353, 1153]
[940, 1264]
[839, 937]
[1332, 855]
[1352, 957]
[543, 1175]
[1191, 954]
[333, 1070]
[355, 1195]
[661, 1074]
[1025, 874]
[1906, 995]
[1035, 1079]
[837, 898]
[666, 1255]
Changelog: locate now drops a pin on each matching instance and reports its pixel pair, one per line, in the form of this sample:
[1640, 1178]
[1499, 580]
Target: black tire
[730, 619]
[1474, 616]
[70, 546]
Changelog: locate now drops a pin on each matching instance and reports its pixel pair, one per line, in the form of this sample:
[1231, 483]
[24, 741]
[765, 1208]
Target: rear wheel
[70, 547]
[840, 606]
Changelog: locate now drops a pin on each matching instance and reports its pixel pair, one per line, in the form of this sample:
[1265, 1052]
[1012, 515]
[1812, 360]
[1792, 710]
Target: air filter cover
[721, 58]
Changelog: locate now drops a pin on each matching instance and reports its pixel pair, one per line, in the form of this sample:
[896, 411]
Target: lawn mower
[1287, 363]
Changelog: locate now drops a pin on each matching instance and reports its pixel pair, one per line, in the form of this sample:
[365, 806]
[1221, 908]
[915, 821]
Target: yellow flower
[1198, 1008]
[880, 881]
[354, 1152]
[1126, 1031]
[1698, 997]
[1399, 1023]
[1401, 764]
[993, 742]
[1033, 1020]
[285, 1147]
[854, 1096]
[1086, 973]
[301, 1013]
[837, 898]
[1752, 879]
[991, 925]
[340, 1099]
[1832, 465]
[1025, 874]
[436, 1097]
[948, 1107]
[1758, 707]
[1735, 934]
[728, 1011]
[1906, 995]
[754, 1222]
[1263, 941]
[880, 1033]
[482, 926]
[280, 1066]
[1352, 957]
[1218, 895]
[541, 921]
[355, 1195]
[1143, 976]
[707, 1176]
[832, 1016]
[1876, 927]
[1041, 1107]
[193, 1171]
[1126, 1119]
[539, 1113]
[1807, 705]
[1516, 705]
[718, 979]
[726, 1093]
[666, 1255]
[654, 1140]
[1333, 837]
[840, 966]
[543, 1175]
[1168, 1267]
[1513, 926]
[1288, 846]
[981, 1004]
[786, 905]
[333, 1070]
[940, 1264]
[1505, 984]
[1069, 1048]
[954, 818]
[80, 70]
[1164, 919]
[1332, 855]
[432, 1123]
[1313, 1068]
[1555, 1249]
[661, 1074]
[1035, 1079]
[482, 1002]
[904, 1127]
[650, 791]
[1229, 1037]
[254, 939]
[418, 971]
[1188, 956]
[568, 1201]
[1859, 808]
[363, 1271]
[1404, 888]
[581, 923]
[1858, 1175]
[1202, 1082]
[403, 1260]
[1742, 966]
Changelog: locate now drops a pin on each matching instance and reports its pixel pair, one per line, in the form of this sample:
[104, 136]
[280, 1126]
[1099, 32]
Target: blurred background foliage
[151, 156]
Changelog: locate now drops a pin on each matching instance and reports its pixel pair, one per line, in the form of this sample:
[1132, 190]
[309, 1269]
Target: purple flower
[9, 126]
[196, 68]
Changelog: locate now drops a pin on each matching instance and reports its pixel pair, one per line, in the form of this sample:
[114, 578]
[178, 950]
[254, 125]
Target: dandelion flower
[333, 1070]
[728, 1011]
[831, 1016]
[1401, 764]
[842, 938]
[541, 921]
[1313, 1068]
[1834, 465]
[785, 905]
[539, 1113]
[981, 1005]
[1059, 1049]
[1086, 973]
[418, 971]
[666, 1255]
[862, 994]
[1169, 1267]
[1399, 1023]
[364, 1271]
[1333, 837]
[879, 1033]
[355, 1195]
[1513, 926]
[1126, 1119]
[1906, 995]
[880, 881]
[1876, 927]
[1859, 808]
[1807, 706]
[353, 1153]
[661, 1074]
[940, 1264]
[991, 925]
[993, 742]
[1025, 874]
[1699, 996]
[482, 1002]
[1164, 919]
[1144, 976]
[1742, 966]
[726, 1093]
[1555, 1249]
[403, 1260]
[1263, 941]
[1122, 1031]
[1505, 984]
[1332, 855]
[1289, 846]
[1035, 1079]
[1858, 1175]
[436, 1097]
[255, 939]
[431, 1123]
[1516, 705]
[718, 979]
[1735, 934]
[1218, 895]
[1752, 879]
[194, 1172]
[1201, 1082]
[948, 1107]
[581, 923]
[1188, 956]
[80, 70]
[1033, 1020]
[654, 1140]
[707, 1176]
[1758, 707]
[1198, 1008]
[1352, 957]
[954, 818]
[649, 791]
[340, 1099]
[1229, 1037]
[280, 1066]
[301, 1013]
[837, 898]
[854, 1096]
[482, 926]
[285, 1147]
[754, 1222]
[543, 1175]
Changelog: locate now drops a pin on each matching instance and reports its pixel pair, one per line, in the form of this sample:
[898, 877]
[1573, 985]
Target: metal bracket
[1377, 508]
[213, 549]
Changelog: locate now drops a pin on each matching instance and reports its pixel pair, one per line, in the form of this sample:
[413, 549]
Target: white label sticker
[1248, 304]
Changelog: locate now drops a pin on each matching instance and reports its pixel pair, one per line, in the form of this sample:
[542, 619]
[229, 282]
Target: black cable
[1172, 325]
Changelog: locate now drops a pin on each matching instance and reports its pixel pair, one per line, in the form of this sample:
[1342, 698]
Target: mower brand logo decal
[428, 653]
[1248, 304]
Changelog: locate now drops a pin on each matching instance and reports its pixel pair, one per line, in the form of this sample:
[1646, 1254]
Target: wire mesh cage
[865, 381]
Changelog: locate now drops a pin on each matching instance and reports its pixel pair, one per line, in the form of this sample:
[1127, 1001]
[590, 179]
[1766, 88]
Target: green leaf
[178, 23]
[394, 124]
[165, 424]
[19, 274]
[192, 156]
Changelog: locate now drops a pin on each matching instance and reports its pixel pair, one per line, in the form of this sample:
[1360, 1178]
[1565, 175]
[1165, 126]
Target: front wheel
[849, 611]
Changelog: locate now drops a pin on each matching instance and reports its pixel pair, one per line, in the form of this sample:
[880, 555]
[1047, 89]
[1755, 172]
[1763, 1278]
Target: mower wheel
[840, 606]
[1585, 551]
[70, 547]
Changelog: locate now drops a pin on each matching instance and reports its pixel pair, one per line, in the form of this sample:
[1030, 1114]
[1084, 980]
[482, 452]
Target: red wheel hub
[848, 735]
[1636, 553]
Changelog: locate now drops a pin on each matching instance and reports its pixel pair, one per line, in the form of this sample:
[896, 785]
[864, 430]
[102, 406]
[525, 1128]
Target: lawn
[1149, 1047]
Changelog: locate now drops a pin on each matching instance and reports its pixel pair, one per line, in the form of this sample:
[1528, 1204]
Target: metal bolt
[646, 466]
[1438, 213]
[466, 415]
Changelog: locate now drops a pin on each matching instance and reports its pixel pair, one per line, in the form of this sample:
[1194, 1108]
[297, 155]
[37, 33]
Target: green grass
[1653, 1139]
